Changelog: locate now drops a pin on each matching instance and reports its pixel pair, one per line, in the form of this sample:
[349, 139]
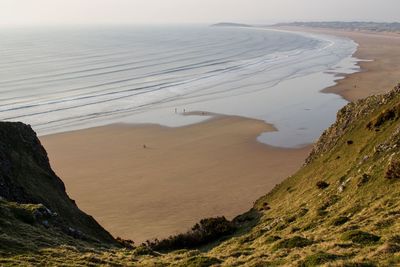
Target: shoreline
[217, 166]
[377, 58]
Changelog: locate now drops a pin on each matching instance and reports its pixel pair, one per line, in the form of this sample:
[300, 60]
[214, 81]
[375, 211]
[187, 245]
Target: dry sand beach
[184, 174]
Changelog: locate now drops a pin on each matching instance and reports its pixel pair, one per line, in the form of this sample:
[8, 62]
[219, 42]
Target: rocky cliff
[33, 197]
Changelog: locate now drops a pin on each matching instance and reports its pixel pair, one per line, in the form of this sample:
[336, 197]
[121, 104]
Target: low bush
[389, 248]
[385, 116]
[395, 239]
[318, 259]
[272, 239]
[294, 242]
[322, 184]
[363, 180]
[358, 264]
[143, 250]
[393, 170]
[302, 212]
[340, 220]
[360, 237]
[200, 261]
[126, 243]
[291, 219]
[330, 202]
[206, 231]
[385, 223]
[23, 215]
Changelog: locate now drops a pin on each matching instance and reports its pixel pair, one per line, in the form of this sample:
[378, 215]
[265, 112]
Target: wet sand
[184, 174]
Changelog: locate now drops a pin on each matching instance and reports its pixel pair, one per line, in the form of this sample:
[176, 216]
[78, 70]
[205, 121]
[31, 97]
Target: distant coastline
[350, 26]
[393, 27]
[230, 24]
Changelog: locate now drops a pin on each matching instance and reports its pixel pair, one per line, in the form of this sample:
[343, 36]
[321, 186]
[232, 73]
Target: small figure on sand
[144, 146]
[184, 110]
[176, 110]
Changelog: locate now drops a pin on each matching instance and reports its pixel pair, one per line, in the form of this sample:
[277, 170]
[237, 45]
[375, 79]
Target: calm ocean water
[71, 78]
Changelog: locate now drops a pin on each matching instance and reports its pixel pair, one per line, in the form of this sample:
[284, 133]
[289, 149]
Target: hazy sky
[19, 12]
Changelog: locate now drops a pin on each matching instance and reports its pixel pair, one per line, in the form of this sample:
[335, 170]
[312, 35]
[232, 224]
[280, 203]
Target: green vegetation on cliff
[342, 208]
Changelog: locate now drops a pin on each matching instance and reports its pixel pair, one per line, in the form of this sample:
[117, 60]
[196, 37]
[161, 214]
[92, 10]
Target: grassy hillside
[342, 208]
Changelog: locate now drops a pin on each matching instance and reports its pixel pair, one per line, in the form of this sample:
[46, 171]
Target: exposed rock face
[26, 177]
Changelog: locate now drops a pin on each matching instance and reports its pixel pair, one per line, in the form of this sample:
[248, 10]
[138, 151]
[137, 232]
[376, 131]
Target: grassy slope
[352, 222]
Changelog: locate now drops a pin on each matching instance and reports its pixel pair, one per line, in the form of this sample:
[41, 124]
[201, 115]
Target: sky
[54, 12]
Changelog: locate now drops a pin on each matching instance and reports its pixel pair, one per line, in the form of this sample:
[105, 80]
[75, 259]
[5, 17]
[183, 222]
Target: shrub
[395, 239]
[143, 250]
[386, 115]
[340, 220]
[350, 142]
[208, 230]
[295, 229]
[281, 226]
[244, 252]
[265, 206]
[294, 242]
[23, 215]
[272, 239]
[322, 184]
[310, 226]
[330, 202]
[126, 243]
[302, 212]
[291, 219]
[360, 237]
[200, 261]
[393, 170]
[385, 223]
[363, 179]
[321, 212]
[318, 259]
[389, 248]
[358, 264]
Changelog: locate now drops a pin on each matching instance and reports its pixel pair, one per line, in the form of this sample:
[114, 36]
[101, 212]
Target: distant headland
[230, 24]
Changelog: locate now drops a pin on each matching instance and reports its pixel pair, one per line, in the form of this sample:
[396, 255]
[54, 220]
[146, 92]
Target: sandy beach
[208, 169]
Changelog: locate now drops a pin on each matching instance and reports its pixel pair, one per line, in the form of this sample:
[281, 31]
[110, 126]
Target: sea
[59, 79]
